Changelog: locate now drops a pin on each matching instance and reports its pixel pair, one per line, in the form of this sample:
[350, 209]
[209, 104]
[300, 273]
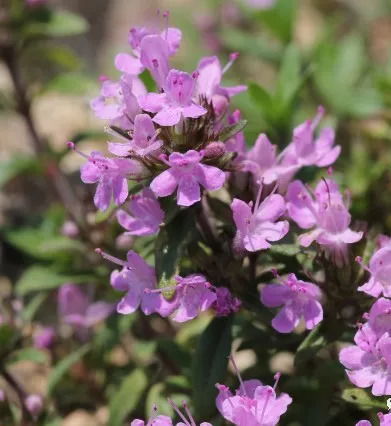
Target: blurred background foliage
[293, 57]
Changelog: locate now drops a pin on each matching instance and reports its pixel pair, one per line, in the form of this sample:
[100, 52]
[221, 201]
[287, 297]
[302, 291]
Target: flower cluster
[368, 362]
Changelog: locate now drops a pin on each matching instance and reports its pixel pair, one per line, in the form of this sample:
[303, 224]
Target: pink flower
[368, 363]
[326, 213]
[160, 420]
[145, 215]
[76, 309]
[380, 273]
[44, 338]
[152, 53]
[144, 140]
[117, 101]
[225, 303]
[379, 317]
[136, 276]
[187, 174]
[175, 102]
[254, 229]
[210, 74]
[306, 151]
[193, 295]
[34, 404]
[253, 404]
[299, 299]
[261, 4]
[384, 419]
[111, 174]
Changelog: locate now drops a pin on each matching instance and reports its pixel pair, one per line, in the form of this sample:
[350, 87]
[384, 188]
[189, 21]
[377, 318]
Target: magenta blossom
[34, 404]
[384, 420]
[300, 299]
[111, 174]
[254, 229]
[159, 420]
[44, 338]
[368, 363]
[117, 101]
[145, 215]
[380, 273]
[163, 45]
[77, 310]
[144, 141]
[253, 404]
[193, 295]
[326, 214]
[225, 303]
[306, 151]
[187, 174]
[176, 101]
[261, 4]
[379, 317]
[136, 276]
[210, 74]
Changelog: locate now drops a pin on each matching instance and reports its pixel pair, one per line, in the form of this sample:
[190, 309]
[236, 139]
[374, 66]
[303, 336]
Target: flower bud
[69, 229]
[214, 149]
[34, 404]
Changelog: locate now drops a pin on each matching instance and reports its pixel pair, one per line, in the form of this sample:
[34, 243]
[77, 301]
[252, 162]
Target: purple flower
[193, 295]
[306, 151]
[326, 214]
[225, 303]
[156, 420]
[144, 140]
[209, 79]
[384, 419]
[300, 299]
[117, 101]
[111, 175]
[145, 215]
[44, 338]
[379, 317]
[261, 4]
[380, 273]
[368, 363]
[187, 174]
[256, 228]
[34, 404]
[76, 309]
[176, 101]
[253, 404]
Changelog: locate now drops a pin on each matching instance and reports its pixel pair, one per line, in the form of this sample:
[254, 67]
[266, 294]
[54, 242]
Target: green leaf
[38, 243]
[230, 131]
[310, 346]
[126, 399]
[157, 397]
[72, 83]
[289, 77]
[28, 354]
[170, 244]
[17, 165]
[64, 365]
[362, 398]
[60, 23]
[210, 364]
[8, 338]
[261, 97]
[38, 278]
[280, 19]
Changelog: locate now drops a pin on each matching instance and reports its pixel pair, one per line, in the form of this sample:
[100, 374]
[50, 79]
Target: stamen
[192, 421]
[173, 405]
[112, 258]
[277, 379]
[232, 58]
[71, 145]
[259, 194]
[360, 261]
[238, 374]
[112, 132]
[328, 189]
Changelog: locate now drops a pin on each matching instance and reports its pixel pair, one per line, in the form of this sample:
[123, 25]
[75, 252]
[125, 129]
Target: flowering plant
[216, 249]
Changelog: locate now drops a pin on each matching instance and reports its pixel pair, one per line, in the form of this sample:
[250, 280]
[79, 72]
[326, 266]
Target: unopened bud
[34, 404]
[214, 149]
[69, 229]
